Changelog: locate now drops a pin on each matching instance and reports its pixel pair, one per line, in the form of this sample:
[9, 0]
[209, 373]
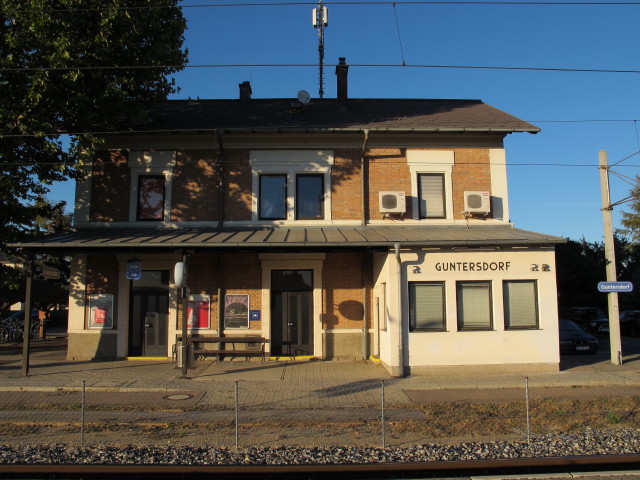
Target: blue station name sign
[608, 287]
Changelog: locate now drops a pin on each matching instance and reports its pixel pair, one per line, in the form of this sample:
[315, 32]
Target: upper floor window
[431, 189]
[273, 197]
[309, 197]
[151, 196]
[431, 195]
[291, 185]
[151, 178]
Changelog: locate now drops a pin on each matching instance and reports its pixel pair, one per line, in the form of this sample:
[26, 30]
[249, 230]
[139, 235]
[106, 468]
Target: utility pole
[321, 20]
[610, 260]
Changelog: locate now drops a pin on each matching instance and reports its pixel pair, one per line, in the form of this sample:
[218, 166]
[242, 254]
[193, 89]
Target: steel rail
[459, 467]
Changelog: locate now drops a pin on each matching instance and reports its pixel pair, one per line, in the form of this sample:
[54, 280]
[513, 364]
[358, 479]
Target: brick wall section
[471, 172]
[196, 187]
[237, 178]
[110, 187]
[102, 278]
[346, 186]
[388, 171]
[342, 291]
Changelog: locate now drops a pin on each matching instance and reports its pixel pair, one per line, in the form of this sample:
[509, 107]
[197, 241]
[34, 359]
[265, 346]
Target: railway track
[536, 467]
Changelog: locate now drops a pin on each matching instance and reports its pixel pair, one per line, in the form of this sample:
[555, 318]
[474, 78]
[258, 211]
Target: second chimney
[342, 69]
[245, 90]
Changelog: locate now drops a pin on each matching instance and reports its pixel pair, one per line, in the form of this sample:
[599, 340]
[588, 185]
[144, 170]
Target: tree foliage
[581, 265]
[631, 220]
[74, 66]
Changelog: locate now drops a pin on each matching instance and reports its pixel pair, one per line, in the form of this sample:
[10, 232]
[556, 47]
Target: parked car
[591, 319]
[574, 339]
[630, 323]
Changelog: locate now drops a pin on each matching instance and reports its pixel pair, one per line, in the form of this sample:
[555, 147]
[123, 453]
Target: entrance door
[292, 312]
[149, 315]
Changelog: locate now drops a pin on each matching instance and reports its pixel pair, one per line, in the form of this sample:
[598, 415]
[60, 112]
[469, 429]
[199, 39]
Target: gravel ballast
[590, 442]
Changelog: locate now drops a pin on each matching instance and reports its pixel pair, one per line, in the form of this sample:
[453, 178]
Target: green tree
[631, 220]
[74, 66]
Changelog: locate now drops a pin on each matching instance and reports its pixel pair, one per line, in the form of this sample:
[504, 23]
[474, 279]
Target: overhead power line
[308, 65]
[350, 3]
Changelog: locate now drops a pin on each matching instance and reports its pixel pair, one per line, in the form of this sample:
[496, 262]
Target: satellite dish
[303, 96]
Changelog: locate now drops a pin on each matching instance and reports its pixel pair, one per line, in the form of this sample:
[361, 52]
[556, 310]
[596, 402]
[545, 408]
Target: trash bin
[180, 350]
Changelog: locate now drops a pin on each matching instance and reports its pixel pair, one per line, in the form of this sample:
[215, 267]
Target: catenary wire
[314, 65]
[350, 3]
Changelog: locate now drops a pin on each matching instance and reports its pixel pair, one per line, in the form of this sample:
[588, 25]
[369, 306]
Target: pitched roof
[322, 115]
[268, 238]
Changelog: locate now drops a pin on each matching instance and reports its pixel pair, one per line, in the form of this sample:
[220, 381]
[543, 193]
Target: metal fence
[244, 414]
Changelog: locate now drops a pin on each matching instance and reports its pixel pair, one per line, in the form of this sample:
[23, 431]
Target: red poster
[198, 309]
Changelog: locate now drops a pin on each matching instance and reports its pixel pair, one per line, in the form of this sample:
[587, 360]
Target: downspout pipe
[221, 192]
[401, 369]
[363, 178]
[365, 257]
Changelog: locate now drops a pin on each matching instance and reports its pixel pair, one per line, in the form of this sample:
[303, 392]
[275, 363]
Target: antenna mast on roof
[321, 20]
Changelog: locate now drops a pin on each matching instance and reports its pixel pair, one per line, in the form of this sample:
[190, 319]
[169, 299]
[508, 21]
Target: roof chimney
[342, 69]
[245, 90]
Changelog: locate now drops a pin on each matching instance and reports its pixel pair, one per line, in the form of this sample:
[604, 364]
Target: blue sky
[553, 177]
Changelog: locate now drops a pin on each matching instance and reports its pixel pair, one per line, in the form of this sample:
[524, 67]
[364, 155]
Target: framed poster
[198, 308]
[236, 311]
[101, 311]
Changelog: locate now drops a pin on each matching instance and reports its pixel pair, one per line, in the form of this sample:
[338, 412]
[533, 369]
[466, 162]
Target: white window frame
[413, 327]
[534, 298]
[290, 163]
[489, 290]
[143, 163]
[431, 161]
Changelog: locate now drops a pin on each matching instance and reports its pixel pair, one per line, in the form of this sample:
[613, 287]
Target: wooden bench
[258, 343]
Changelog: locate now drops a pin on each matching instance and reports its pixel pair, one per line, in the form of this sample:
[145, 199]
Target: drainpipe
[365, 316]
[221, 180]
[396, 247]
[363, 178]
[220, 325]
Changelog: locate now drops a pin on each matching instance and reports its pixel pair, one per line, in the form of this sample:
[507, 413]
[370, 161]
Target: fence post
[384, 443]
[526, 388]
[82, 414]
[236, 414]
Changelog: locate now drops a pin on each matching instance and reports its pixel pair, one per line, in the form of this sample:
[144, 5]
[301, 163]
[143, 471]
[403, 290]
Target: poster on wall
[101, 311]
[236, 311]
[198, 308]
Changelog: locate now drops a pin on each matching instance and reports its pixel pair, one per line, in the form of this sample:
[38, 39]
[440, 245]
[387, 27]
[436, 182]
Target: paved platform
[307, 384]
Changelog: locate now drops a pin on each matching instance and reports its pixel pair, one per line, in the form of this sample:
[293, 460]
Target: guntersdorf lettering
[472, 266]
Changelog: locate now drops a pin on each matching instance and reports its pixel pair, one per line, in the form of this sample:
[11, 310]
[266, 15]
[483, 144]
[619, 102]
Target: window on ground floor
[520, 304]
[474, 305]
[427, 306]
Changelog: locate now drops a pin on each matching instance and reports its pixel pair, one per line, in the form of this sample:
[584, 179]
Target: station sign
[609, 287]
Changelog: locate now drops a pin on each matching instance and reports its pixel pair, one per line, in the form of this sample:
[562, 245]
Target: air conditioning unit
[477, 202]
[392, 202]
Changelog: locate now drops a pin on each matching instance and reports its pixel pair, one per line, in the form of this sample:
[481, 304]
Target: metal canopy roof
[265, 238]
